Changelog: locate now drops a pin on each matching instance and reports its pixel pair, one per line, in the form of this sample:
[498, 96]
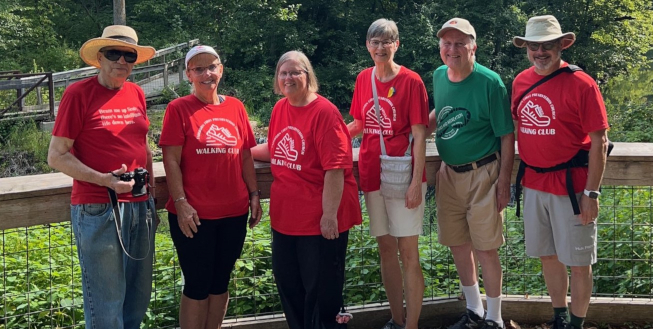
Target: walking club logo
[288, 146]
[219, 135]
[535, 115]
[450, 120]
[382, 123]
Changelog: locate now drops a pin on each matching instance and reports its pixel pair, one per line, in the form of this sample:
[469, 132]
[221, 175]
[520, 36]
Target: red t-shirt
[403, 102]
[304, 143]
[554, 121]
[109, 128]
[212, 138]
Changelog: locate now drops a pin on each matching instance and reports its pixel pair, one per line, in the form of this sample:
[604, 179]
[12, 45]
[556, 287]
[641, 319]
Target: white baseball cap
[459, 24]
[200, 50]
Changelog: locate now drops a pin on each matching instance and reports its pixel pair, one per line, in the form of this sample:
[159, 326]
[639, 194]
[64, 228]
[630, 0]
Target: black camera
[141, 177]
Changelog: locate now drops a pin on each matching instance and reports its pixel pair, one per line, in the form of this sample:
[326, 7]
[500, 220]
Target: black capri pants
[208, 259]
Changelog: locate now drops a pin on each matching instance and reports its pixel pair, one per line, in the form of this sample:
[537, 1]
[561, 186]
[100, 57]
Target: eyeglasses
[534, 46]
[199, 70]
[384, 43]
[114, 55]
[292, 74]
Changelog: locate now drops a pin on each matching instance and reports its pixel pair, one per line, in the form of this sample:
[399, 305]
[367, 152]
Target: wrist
[592, 194]
[256, 193]
[179, 199]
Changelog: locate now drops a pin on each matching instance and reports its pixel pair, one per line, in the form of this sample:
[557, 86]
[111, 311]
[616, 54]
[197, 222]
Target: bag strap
[565, 69]
[377, 107]
[378, 110]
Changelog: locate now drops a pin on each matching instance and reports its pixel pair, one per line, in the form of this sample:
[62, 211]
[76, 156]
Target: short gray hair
[305, 64]
[383, 28]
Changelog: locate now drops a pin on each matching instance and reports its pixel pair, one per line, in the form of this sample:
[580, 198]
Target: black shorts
[208, 258]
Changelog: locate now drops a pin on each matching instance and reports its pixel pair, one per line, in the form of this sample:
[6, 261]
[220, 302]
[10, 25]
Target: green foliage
[629, 101]
[23, 149]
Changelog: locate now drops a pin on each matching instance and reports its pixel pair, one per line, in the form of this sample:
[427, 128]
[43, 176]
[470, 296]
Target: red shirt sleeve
[333, 141]
[172, 131]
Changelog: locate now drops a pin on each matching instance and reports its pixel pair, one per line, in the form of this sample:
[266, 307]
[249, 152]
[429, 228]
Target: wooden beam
[43, 199]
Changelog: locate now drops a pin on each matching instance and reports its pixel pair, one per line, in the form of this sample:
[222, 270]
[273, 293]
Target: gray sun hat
[542, 29]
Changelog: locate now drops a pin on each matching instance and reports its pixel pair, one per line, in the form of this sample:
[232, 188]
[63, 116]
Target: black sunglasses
[114, 55]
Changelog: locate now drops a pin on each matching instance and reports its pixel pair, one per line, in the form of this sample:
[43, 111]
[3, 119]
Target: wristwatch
[255, 193]
[592, 194]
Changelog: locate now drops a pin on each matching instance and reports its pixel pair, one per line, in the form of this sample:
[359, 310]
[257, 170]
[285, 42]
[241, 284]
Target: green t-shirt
[471, 115]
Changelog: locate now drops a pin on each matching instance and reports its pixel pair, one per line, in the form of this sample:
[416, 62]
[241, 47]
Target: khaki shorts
[390, 215]
[551, 228]
[467, 207]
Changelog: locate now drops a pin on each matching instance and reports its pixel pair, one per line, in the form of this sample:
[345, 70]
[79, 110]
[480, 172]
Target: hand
[342, 318]
[503, 194]
[414, 195]
[589, 209]
[255, 210]
[187, 218]
[116, 184]
[329, 227]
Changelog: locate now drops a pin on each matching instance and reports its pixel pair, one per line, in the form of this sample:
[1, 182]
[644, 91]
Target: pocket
[95, 209]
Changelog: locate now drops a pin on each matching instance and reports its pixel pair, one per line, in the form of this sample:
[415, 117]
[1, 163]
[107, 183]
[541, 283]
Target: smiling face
[204, 72]
[457, 50]
[545, 61]
[382, 49]
[117, 70]
[292, 79]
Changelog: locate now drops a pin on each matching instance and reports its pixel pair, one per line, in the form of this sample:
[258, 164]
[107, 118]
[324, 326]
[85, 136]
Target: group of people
[209, 151]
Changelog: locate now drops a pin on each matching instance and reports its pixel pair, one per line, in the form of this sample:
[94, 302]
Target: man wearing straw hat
[475, 139]
[561, 122]
[99, 134]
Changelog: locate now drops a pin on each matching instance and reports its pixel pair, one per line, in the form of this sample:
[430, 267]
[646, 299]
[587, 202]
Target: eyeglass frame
[546, 46]
[293, 74]
[387, 43]
[199, 70]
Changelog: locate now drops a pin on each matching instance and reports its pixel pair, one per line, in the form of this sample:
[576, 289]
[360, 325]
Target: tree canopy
[613, 37]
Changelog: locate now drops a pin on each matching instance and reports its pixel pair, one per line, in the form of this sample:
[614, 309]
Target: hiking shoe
[392, 325]
[469, 320]
[559, 322]
[489, 324]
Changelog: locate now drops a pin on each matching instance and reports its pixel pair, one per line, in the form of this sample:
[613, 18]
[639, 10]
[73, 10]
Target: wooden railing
[41, 199]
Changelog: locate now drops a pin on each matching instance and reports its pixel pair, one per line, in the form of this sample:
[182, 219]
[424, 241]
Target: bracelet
[180, 199]
[255, 193]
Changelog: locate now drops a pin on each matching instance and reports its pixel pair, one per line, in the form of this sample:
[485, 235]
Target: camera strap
[117, 214]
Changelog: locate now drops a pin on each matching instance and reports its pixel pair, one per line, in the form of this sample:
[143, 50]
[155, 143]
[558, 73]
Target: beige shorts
[551, 228]
[467, 207]
[390, 215]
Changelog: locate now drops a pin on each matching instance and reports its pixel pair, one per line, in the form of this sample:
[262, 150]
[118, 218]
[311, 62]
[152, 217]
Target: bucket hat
[542, 29]
[115, 35]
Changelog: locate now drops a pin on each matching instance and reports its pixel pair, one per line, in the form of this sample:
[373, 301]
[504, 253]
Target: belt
[471, 166]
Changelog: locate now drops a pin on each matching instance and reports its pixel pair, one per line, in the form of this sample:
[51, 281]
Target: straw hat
[459, 24]
[542, 29]
[115, 35]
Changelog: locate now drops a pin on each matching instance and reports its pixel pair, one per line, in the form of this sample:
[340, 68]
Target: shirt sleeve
[500, 114]
[172, 131]
[247, 134]
[70, 118]
[419, 108]
[332, 141]
[593, 115]
[355, 109]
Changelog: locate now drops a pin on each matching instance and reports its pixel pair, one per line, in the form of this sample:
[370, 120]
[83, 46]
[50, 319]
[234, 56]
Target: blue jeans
[116, 288]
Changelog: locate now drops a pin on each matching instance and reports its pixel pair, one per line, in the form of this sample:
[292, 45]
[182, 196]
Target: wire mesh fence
[41, 287]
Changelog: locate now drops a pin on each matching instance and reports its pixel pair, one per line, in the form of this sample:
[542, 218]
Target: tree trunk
[119, 16]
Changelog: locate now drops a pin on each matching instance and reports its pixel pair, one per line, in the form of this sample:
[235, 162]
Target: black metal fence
[41, 288]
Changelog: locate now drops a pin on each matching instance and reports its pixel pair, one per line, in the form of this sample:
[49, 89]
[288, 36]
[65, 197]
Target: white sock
[473, 298]
[494, 310]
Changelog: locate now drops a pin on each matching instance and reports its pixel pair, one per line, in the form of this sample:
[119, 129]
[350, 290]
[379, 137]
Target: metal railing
[153, 76]
[40, 281]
